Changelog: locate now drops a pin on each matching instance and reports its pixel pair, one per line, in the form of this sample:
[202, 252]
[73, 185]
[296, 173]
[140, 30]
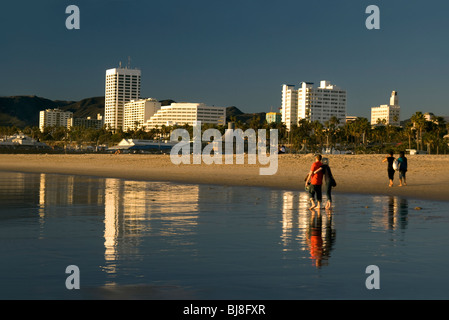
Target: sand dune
[427, 178]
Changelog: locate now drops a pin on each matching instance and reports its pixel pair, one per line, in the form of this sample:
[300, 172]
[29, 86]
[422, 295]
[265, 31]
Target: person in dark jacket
[402, 169]
[390, 170]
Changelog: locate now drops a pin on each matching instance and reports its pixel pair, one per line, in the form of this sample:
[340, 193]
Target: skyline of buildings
[210, 69]
[125, 109]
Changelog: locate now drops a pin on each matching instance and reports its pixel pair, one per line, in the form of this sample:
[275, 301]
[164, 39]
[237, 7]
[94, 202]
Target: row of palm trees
[360, 136]
[357, 136]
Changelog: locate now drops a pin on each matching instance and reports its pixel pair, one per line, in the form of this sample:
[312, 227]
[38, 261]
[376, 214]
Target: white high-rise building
[187, 113]
[387, 114]
[137, 112]
[289, 108]
[54, 117]
[122, 86]
[313, 104]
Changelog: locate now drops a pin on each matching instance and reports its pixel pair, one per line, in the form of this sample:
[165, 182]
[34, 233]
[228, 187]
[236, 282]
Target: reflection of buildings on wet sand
[293, 204]
[309, 230]
[132, 209]
[137, 209]
[67, 190]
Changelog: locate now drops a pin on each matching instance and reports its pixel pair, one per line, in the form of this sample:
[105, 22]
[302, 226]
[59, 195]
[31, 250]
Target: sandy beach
[427, 178]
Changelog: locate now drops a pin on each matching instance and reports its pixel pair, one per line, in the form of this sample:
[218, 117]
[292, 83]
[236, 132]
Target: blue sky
[231, 53]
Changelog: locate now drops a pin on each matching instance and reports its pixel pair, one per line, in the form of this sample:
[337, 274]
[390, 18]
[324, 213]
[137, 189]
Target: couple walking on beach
[399, 164]
[320, 172]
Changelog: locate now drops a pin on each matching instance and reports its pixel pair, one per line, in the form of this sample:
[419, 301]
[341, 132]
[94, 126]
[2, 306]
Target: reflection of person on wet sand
[397, 212]
[316, 240]
[320, 247]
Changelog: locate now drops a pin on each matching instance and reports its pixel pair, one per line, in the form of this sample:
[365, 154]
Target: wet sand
[427, 178]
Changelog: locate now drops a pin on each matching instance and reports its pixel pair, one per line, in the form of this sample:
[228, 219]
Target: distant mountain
[22, 111]
[88, 107]
[236, 114]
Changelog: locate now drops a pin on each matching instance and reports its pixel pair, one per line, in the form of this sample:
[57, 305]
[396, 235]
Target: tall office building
[387, 114]
[313, 104]
[122, 86]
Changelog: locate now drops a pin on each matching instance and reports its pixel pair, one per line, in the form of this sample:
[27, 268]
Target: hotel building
[54, 117]
[387, 114]
[186, 113]
[122, 86]
[313, 104]
[138, 112]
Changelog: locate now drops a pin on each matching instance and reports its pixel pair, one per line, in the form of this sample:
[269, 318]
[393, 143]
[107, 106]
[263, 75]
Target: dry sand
[427, 178]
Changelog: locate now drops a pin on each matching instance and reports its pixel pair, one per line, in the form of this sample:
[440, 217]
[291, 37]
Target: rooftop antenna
[120, 64]
[129, 62]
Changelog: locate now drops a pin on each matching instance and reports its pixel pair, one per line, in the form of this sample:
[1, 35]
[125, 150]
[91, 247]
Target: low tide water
[160, 240]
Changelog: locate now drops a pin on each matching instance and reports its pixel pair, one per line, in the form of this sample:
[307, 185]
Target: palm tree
[255, 122]
[419, 122]
[318, 133]
[410, 130]
[438, 129]
[364, 127]
[331, 127]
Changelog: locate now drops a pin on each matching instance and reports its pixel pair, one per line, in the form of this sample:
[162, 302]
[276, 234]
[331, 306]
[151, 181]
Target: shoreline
[427, 178]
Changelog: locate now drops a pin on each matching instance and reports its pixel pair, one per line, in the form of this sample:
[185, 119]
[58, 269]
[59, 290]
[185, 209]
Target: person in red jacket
[315, 177]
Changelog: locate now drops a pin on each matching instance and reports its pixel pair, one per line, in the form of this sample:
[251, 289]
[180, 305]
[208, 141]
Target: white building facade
[313, 104]
[387, 114]
[122, 86]
[138, 112]
[54, 117]
[289, 109]
[186, 113]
